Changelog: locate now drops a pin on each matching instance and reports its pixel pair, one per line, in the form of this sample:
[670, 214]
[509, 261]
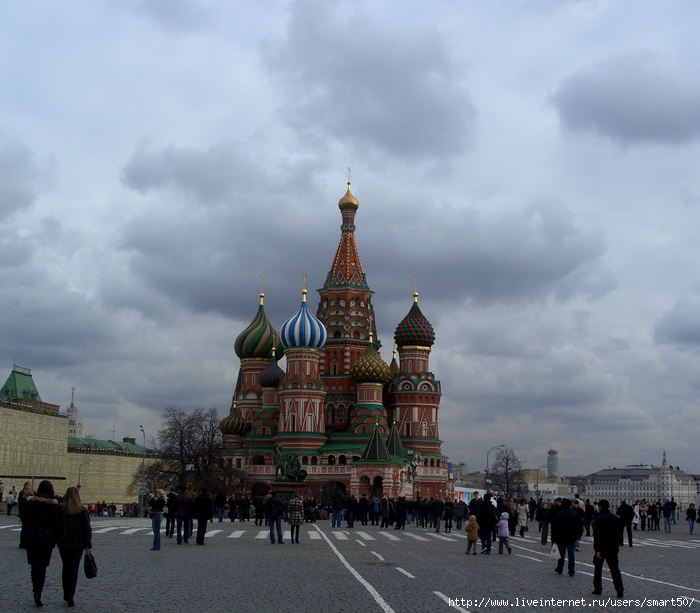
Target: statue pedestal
[285, 488]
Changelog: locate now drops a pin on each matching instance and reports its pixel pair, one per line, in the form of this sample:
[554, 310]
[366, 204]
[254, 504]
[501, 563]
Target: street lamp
[143, 473]
[80, 468]
[487, 461]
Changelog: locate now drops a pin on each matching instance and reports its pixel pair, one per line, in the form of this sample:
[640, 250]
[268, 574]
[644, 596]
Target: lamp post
[143, 474]
[487, 461]
[80, 469]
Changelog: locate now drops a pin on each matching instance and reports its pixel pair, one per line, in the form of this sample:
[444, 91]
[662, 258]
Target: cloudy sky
[534, 163]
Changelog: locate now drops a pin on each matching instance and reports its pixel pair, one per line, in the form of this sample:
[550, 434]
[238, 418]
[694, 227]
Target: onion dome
[233, 425]
[370, 368]
[348, 201]
[415, 329]
[258, 339]
[303, 330]
[272, 374]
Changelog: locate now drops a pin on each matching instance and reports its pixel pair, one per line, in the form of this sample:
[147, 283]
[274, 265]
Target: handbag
[89, 565]
[554, 552]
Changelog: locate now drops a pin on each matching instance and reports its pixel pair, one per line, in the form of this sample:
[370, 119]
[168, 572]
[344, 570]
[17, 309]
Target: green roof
[393, 443]
[376, 449]
[19, 385]
[94, 444]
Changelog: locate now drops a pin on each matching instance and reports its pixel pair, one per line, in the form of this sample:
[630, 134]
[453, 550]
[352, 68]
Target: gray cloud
[22, 176]
[680, 326]
[632, 97]
[176, 16]
[389, 90]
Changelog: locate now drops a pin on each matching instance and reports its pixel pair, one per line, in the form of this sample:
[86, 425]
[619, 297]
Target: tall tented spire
[393, 443]
[347, 268]
[376, 449]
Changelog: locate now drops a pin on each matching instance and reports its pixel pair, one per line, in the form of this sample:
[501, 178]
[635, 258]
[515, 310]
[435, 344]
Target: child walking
[472, 530]
[503, 533]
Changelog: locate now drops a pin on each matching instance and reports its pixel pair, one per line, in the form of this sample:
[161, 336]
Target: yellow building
[35, 445]
[32, 434]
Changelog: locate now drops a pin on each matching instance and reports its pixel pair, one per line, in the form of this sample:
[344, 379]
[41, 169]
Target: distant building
[36, 444]
[641, 482]
[552, 464]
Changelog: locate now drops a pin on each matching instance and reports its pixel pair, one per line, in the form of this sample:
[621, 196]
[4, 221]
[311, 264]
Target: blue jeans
[276, 522]
[337, 518]
[183, 529]
[486, 540]
[156, 521]
[567, 549]
[220, 514]
[436, 521]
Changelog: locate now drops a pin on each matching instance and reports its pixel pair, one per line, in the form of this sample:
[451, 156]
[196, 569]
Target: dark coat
[40, 520]
[567, 526]
[606, 533]
[74, 531]
[203, 508]
[487, 516]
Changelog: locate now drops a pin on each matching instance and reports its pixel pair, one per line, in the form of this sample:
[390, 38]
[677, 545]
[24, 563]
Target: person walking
[503, 532]
[40, 521]
[220, 504]
[203, 512]
[295, 515]
[171, 506]
[472, 530]
[667, 513]
[10, 500]
[626, 514]
[74, 536]
[523, 512]
[155, 506]
[274, 509]
[567, 528]
[183, 509]
[487, 521]
[606, 529]
[691, 515]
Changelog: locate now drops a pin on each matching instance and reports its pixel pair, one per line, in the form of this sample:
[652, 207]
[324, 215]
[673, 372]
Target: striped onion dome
[415, 329]
[272, 374]
[233, 425]
[370, 368]
[303, 330]
[258, 339]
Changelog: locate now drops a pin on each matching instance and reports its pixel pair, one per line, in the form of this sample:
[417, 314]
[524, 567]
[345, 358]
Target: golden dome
[348, 201]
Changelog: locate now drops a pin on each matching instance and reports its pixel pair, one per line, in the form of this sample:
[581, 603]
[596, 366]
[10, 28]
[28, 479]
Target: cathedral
[338, 416]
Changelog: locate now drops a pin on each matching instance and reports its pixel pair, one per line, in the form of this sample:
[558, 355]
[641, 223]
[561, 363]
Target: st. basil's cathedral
[338, 417]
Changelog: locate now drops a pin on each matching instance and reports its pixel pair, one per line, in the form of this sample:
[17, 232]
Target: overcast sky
[534, 163]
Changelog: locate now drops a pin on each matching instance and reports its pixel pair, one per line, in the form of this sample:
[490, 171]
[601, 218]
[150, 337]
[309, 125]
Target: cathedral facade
[337, 416]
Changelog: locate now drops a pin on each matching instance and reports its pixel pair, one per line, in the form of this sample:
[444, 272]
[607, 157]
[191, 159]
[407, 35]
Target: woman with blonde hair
[74, 536]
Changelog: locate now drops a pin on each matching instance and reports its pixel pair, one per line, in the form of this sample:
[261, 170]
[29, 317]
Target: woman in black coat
[487, 521]
[74, 535]
[40, 523]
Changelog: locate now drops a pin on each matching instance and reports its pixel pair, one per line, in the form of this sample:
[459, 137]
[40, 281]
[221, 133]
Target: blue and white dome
[303, 330]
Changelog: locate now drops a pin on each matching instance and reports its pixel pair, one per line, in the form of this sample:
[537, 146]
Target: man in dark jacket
[626, 514]
[606, 529]
[183, 510]
[274, 509]
[566, 530]
[436, 509]
[203, 512]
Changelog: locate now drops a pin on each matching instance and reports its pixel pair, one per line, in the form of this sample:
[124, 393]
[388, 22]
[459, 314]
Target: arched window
[331, 460]
[432, 462]
[425, 462]
[258, 460]
[304, 459]
[334, 367]
[314, 460]
[342, 460]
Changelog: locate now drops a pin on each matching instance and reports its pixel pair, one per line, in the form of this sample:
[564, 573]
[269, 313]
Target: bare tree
[507, 474]
[190, 450]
